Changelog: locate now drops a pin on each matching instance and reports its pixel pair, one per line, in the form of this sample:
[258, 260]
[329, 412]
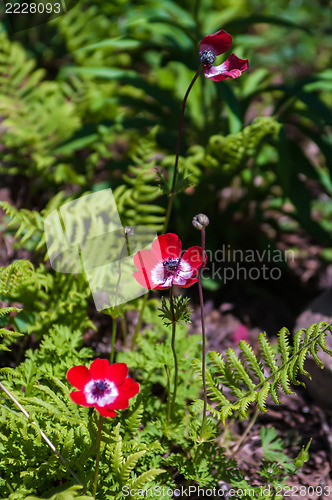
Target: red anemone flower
[212, 46]
[104, 386]
[162, 266]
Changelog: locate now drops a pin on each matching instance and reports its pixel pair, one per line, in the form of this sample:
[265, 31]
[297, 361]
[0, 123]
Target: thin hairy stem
[168, 393]
[95, 480]
[177, 153]
[176, 372]
[240, 442]
[43, 435]
[201, 300]
[124, 328]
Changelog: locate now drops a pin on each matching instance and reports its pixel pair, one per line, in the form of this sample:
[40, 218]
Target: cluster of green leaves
[13, 277]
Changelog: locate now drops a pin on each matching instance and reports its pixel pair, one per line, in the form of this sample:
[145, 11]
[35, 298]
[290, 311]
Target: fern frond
[145, 478]
[17, 274]
[234, 150]
[10, 336]
[128, 465]
[7, 336]
[252, 380]
[30, 224]
[134, 420]
[135, 200]
[37, 114]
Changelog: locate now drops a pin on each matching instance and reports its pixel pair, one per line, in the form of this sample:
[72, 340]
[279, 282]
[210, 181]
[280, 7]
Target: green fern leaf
[262, 395]
[240, 371]
[128, 465]
[252, 360]
[145, 478]
[267, 352]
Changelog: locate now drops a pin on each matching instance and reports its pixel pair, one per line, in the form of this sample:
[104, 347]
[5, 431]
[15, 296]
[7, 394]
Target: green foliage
[13, 277]
[30, 223]
[68, 494]
[16, 275]
[233, 152]
[38, 385]
[254, 378]
[135, 198]
[121, 467]
[37, 293]
[181, 310]
[8, 335]
[37, 117]
[273, 449]
[91, 101]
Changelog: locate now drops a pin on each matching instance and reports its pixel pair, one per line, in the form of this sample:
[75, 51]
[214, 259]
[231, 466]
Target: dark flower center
[171, 264]
[207, 57]
[99, 388]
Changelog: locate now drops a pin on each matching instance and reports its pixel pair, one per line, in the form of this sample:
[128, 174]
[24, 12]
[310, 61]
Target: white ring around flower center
[161, 277]
[107, 396]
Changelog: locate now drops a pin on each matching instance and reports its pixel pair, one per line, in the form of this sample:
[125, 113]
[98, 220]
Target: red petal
[167, 245]
[79, 398]
[144, 279]
[233, 67]
[117, 373]
[194, 257]
[128, 389]
[98, 368]
[190, 282]
[145, 259]
[78, 376]
[161, 287]
[119, 404]
[218, 42]
[104, 411]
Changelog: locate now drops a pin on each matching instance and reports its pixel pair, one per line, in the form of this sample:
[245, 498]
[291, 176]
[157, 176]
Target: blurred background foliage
[92, 100]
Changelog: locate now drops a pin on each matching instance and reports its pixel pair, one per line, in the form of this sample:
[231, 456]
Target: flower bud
[128, 231]
[200, 221]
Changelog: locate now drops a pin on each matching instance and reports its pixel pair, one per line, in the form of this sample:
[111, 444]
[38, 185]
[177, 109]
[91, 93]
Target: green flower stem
[124, 328]
[201, 300]
[139, 322]
[95, 481]
[177, 154]
[174, 350]
[113, 340]
[168, 393]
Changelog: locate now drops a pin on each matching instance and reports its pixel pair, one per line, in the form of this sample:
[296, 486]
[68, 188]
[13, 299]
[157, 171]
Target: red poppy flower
[212, 46]
[162, 266]
[104, 386]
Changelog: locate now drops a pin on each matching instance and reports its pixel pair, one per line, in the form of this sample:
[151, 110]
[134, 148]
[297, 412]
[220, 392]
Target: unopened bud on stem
[200, 221]
[128, 231]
